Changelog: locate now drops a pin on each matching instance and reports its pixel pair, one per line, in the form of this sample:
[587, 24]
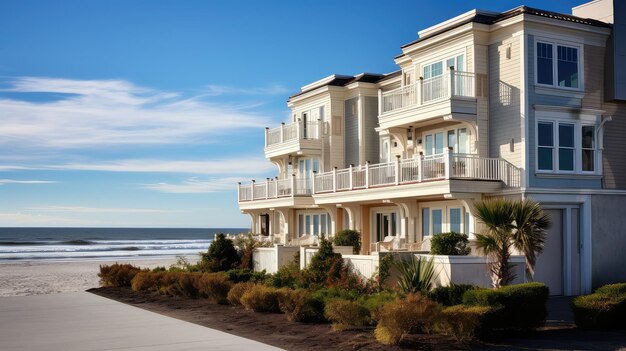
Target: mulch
[269, 328]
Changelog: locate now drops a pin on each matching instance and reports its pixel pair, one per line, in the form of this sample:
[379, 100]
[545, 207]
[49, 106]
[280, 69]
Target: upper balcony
[301, 137]
[452, 95]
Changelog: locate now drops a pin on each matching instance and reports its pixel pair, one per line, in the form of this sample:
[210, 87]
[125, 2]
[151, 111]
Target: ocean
[103, 243]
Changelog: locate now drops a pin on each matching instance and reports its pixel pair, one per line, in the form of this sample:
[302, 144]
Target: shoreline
[39, 277]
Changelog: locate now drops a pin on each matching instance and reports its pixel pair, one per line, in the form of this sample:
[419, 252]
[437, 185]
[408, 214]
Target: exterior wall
[481, 67]
[536, 97]
[614, 161]
[351, 132]
[337, 131]
[609, 239]
[371, 137]
[505, 82]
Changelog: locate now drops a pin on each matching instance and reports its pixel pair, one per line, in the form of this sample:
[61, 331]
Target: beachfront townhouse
[524, 103]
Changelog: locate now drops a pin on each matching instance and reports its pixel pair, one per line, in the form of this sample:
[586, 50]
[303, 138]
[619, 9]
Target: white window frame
[302, 174]
[384, 211]
[578, 125]
[311, 230]
[445, 208]
[444, 60]
[555, 65]
[446, 145]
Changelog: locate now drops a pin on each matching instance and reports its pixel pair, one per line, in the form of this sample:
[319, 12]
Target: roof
[338, 80]
[491, 18]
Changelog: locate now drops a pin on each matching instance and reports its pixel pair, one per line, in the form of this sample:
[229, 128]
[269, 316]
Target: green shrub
[449, 244]
[325, 267]
[215, 287]
[186, 284]
[117, 275]
[348, 237]
[235, 293]
[450, 295]
[246, 244]
[288, 276]
[603, 310]
[374, 302]
[346, 314]
[301, 306]
[465, 322]
[523, 306]
[416, 274]
[146, 281]
[329, 294]
[245, 275]
[221, 255]
[260, 298]
[415, 313]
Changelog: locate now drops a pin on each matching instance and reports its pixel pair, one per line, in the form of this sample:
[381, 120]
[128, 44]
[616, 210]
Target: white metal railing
[400, 172]
[300, 130]
[275, 188]
[446, 86]
[418, 169]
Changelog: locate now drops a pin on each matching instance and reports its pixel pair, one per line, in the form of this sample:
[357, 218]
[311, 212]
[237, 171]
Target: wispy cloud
[20, 219]
[194, 186]
[15, 181]
[82, 209]
[100, 113]
[232, 166]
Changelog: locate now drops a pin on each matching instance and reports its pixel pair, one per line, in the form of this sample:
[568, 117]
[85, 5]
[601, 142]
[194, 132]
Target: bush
[146, 281]
[375, 302]
[288, 276]
[326, 266]
[301, 306]
[246, 244]
[604, 310]
[523, 306]
[117, 275]
[450, 295]
[348, 237]
[416, 274]
[245, 275]
[329, 294]
[215, 287]
[184, 284]
[465, 322]
[221, 255]
[260, 298]
[346, 314]
[235, 293]
[415, 313]
[452, 243]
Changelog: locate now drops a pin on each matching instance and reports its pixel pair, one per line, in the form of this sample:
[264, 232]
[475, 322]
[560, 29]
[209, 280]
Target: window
[313, 224]
[545, 146]
[455, 220]
[386, 224]
[457, 139]
[437, 218]
[434, 144]
[306, 167]
[566, 147]
[573, 151]
[425, 221]
[588, 148]
[566, 66]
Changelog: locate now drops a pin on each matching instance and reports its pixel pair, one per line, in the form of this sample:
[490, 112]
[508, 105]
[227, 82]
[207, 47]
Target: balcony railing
[294, 131]
[275, 188]
[416, 170]
[397, 173]
[446, 86]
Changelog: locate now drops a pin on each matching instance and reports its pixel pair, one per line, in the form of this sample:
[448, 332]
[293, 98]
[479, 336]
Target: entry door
[385, 225]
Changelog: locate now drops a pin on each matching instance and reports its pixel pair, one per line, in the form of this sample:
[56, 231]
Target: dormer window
[558, 65]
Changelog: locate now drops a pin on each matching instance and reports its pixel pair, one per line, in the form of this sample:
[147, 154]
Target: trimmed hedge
[396, 319]
[453, 244]
[260, 298]
[450, 295]
[522, 307]
[466, 322]
[348, 237]
[603, 310]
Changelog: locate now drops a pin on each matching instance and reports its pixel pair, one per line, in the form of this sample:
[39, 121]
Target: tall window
[434, 144]
[455, 220]
[566, 67]
[566, 147]
[545, 146]
[588, 148]
[313, 224]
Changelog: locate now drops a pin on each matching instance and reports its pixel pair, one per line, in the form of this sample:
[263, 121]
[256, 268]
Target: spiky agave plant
[416, 274]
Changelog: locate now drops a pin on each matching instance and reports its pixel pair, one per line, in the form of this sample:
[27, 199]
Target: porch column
[283, 224]
[408, 220]
[332, 213]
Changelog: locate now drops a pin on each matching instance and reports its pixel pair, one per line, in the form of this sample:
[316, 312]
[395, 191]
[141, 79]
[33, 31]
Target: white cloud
[101, 113]
[14, 181]
[195, 186]
[82, 209]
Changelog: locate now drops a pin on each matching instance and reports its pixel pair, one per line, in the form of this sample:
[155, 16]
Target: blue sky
[147, 113]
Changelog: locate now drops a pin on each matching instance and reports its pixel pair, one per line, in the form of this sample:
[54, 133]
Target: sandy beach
[23, 278]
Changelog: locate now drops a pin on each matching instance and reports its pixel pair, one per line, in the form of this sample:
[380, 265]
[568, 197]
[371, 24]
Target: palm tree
[510, 224]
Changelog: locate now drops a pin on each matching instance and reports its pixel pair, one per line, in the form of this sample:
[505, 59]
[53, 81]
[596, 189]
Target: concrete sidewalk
[83, 321]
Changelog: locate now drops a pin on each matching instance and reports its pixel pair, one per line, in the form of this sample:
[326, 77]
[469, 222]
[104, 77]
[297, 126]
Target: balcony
[301, 137]
[275, 192]
[424, 175]
[421, 176]
[452, 94]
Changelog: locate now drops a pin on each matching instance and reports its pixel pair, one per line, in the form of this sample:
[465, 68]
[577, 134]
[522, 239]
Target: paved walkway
[83, 321]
